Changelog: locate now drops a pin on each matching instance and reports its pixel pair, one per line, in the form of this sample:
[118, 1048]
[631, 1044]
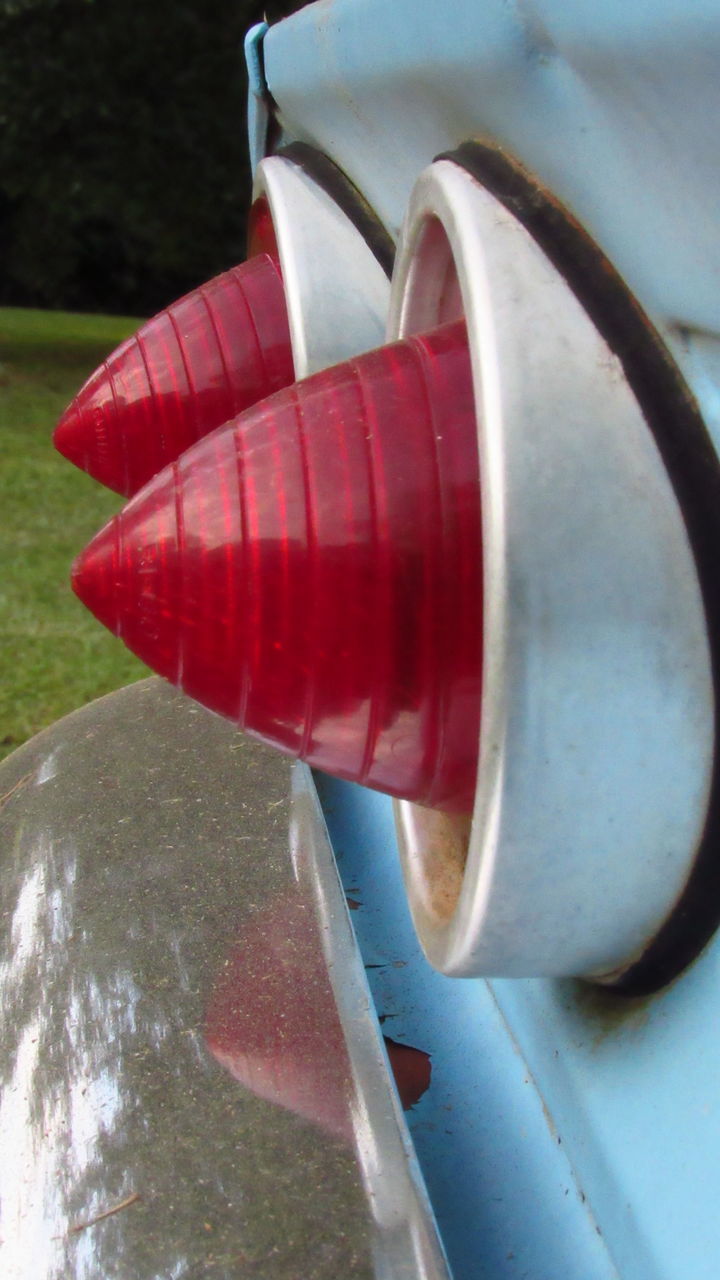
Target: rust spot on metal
[436, 846]
[606, 1011]
[412, 1070]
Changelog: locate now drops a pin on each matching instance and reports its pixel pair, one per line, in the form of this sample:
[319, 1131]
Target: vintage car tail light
[192, 367]
[311, 570]
[593, 839]
[494, 500]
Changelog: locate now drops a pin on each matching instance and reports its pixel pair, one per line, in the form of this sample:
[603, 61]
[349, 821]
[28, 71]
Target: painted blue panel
[584, 1131]
[499, 1174]
[614, 106]
[634, 1087]
[567, 1132]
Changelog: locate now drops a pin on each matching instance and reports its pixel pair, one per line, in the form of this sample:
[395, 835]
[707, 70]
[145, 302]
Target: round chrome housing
[335, 289]
[597, 737]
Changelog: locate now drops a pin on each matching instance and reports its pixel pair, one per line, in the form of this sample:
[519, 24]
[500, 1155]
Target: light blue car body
[566, 1132]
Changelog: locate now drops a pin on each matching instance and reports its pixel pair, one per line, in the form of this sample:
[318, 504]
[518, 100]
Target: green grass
[53, 655]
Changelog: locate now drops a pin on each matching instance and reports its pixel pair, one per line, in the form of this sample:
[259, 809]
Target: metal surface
[336, 291]
[567, 1132]
[407, 1245]
[509, 1197]
[258, 98]
[633, 1088]
[613, 106]
[596, 742]
[186, 1088]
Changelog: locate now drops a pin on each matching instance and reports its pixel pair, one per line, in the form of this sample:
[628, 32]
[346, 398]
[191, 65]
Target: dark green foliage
[123, 171]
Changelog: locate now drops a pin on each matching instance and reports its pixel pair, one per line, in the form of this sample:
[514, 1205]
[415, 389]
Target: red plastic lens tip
[313, 571]
[194, 366]
[261, 230]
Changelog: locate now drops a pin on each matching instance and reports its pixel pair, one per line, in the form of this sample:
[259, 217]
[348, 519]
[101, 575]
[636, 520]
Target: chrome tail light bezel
[597, 734]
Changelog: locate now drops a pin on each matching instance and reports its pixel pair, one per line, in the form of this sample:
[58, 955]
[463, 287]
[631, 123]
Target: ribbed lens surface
[191, 368]
[312, 570]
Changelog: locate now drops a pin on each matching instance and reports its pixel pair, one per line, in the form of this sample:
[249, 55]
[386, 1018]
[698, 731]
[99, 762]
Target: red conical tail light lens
[194, 366]
[312, 570]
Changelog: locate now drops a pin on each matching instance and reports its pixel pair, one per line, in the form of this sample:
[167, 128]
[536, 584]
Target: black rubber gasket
[353, 204]
[692, 464]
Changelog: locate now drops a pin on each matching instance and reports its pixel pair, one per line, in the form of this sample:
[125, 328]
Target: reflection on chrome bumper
[192, 1078]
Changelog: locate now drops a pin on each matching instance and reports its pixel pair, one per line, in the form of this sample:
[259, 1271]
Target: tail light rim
[336, 291]
[533, 901]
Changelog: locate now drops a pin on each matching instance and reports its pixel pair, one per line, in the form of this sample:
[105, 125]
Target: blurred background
[124, 183]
